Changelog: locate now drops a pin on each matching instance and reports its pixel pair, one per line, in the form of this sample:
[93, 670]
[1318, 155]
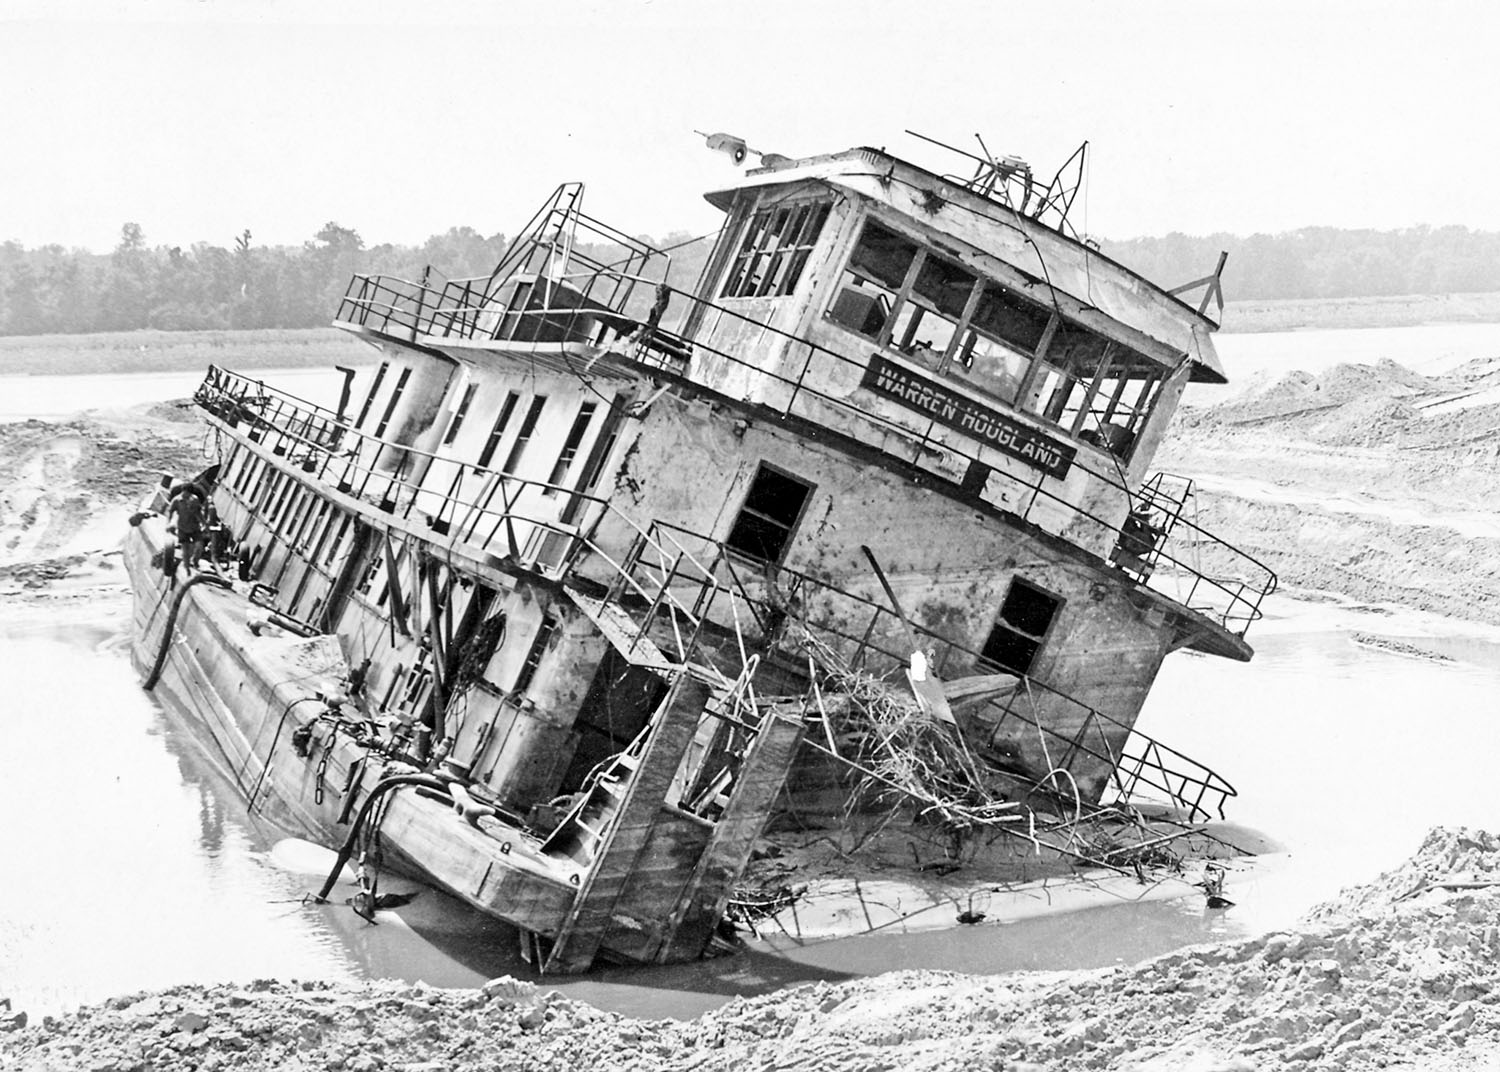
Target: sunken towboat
[588, 576]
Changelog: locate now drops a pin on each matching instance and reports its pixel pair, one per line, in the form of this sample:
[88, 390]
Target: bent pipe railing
[687, 578]
[1242, 602]
[454, 306]
[404, 498]
[691, 559]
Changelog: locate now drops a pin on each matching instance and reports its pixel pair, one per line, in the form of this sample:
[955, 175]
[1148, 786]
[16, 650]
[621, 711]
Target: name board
[963, 414]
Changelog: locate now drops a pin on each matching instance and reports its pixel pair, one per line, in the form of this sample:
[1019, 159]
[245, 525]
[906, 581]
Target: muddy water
[51, 398]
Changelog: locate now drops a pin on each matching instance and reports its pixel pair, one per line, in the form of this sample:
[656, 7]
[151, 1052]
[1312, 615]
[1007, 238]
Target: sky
[198, 119]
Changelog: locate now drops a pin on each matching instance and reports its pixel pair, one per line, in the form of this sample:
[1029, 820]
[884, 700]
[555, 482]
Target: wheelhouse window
[777, 242]
[1065, 373]
[994, 340]
[928, 321]
[770, 514]
[1122, 398]
[998, 343]
[1098, 390]
[1025, 617]
[873, 282]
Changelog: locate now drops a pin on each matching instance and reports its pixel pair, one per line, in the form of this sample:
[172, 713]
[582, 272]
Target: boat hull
[244, 692]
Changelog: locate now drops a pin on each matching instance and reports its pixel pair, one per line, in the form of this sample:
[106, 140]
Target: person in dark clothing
[186, 510]
[217, 543]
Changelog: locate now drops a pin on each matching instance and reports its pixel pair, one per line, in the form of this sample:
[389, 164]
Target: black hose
[276, 737]
[166, 640]
[385, 785]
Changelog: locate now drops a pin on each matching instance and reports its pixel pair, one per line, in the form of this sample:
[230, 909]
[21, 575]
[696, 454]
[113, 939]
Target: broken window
[995, 340]
[1095, 388]
[936, 311]
[1000, 343]
[929, 318]
[873, 281]
[776, 246]
[1068, 368]
[770, 513]
[1121, 401]
[1025, 617]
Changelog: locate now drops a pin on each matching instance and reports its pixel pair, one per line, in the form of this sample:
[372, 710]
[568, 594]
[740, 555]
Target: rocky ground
[1401, 973]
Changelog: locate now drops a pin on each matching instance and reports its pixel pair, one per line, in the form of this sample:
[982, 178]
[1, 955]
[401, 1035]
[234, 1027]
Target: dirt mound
[1372, 391]
[1369, 480]
[1450, 858]
[58, 478]
[1403, 972]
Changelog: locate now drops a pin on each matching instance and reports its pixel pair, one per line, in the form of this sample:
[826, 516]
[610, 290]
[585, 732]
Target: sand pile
[1403, 972]
[1368, 480]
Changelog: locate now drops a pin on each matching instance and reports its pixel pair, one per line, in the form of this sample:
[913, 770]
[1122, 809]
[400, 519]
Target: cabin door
[617, 707]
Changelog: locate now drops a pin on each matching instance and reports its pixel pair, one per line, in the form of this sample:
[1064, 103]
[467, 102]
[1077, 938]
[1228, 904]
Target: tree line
[1324, 262]
[53, 290]
[244, 285]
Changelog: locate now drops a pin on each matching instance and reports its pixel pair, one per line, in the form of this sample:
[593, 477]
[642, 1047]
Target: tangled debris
[900, 751]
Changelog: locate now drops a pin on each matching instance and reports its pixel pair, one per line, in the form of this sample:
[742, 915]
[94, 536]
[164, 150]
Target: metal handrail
[300, 431]
[1236, 601]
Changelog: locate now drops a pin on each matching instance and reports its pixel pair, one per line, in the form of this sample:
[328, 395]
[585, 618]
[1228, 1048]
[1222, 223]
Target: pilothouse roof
[1169, 329]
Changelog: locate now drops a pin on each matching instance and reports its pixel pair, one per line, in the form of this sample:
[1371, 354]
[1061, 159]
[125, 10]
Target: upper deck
[923, 324]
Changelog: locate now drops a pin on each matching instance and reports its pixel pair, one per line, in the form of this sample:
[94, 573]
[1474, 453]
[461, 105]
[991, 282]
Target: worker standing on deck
[186, 510]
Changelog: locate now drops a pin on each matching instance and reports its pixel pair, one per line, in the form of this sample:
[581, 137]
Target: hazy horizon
[200, 118]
